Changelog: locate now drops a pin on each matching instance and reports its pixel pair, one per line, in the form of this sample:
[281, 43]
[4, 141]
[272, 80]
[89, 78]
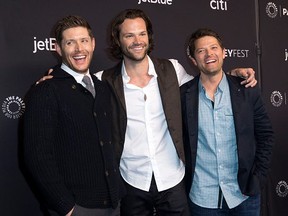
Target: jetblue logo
[163, 2]
[48, 44]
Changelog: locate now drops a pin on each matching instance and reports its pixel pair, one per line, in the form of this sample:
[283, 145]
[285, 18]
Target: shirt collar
[151, 70]
[223, 85]
[77, 76]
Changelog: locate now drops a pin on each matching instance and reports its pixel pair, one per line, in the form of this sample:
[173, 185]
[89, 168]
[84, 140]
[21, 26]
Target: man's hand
[45, 77]
[70, 212]
[248, 74]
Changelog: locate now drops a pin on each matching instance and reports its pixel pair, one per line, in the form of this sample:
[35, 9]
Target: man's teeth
[210, 61]
[79, 57]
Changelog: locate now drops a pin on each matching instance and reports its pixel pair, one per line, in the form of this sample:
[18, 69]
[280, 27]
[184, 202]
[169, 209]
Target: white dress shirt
[148, 146]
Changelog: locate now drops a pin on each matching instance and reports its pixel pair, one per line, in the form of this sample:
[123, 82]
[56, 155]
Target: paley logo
[272, 10]
[236, 53]
[13, 107]
[163, 2]
[48, 44]
[218, 5]
[277, 98]
[282, 189]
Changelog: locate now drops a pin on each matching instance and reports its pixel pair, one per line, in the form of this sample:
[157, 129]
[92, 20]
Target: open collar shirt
[148, 147]
[217, 158]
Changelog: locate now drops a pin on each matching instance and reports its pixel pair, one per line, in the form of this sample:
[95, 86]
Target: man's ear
[194, 61]
[224, 53]
[93, 43]
[58, 49]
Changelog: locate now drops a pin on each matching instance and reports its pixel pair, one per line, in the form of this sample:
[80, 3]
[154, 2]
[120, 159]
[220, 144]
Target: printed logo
[13, 107]
[285, 12]
[282, 189]
[48, 44]
[271, 10]
[276, 98]
[163, 2]
[236, 53]
[286, 54]
[218, 5]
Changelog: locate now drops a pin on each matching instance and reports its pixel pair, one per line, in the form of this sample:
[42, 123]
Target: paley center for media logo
[162, 2]
[282, 189]
[13, 107]
[272, 10]
[236, 53]
[278, 98]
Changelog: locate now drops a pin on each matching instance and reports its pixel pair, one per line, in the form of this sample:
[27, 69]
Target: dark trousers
[250, 207]
[81, 211]
[171, 202]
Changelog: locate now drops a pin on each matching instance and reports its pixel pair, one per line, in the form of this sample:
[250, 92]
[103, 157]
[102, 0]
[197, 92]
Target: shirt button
[95, 114]
[101, 143]
[106, 173]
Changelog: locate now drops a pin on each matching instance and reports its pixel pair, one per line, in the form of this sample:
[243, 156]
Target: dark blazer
[254, 135]
[170, 95]
[68, 147]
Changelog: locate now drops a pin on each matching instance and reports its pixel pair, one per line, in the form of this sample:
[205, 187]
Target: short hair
[202, 32]
[115, 49]
[70, 21]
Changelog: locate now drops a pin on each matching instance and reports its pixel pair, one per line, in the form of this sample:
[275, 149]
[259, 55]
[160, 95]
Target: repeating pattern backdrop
[255, 34]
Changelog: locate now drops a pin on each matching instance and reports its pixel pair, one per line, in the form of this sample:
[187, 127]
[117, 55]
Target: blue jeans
[250, 207]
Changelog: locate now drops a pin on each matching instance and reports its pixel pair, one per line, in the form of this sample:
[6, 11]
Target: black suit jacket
[254, 135]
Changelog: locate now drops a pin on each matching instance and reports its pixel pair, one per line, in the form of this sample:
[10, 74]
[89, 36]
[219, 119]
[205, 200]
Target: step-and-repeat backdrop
[255, 34]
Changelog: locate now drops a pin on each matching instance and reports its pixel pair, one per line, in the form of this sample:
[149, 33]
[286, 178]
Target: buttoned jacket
[68, 143]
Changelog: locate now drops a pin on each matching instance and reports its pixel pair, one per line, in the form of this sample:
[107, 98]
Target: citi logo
[218, 5]
[163, 2]
[48, 44]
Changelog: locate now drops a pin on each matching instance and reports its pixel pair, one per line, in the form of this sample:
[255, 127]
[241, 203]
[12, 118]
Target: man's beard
[133, 57]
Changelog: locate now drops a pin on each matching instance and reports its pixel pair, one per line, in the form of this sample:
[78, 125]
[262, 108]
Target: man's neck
[138, 71]
[210, 83]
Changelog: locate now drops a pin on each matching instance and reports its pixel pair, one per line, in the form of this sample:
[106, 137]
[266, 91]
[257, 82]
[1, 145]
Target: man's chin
[80, 70]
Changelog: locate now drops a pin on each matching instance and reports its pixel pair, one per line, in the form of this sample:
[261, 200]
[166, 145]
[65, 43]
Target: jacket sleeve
[264, 138]
[40, 126]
